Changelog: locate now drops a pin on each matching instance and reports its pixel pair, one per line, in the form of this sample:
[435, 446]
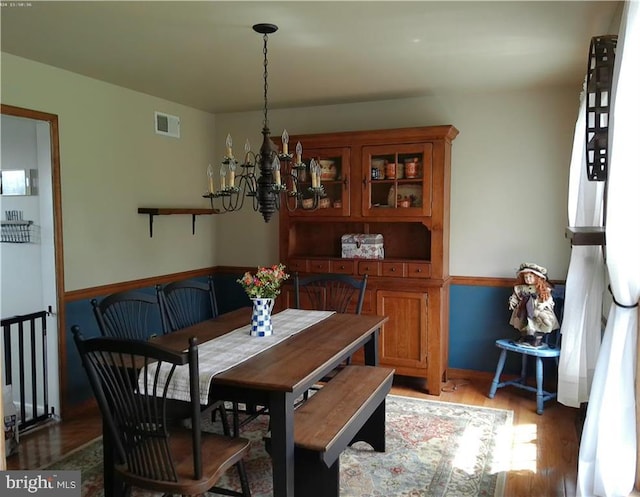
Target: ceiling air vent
[167, 125]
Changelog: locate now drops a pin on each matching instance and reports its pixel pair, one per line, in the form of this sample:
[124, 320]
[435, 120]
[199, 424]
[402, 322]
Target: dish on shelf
[328, 170]
[413, 193]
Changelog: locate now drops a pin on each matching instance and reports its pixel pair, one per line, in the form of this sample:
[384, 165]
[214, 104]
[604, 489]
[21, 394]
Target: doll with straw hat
[531, 303]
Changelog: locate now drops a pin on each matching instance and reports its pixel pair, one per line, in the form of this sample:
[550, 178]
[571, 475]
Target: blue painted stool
[550, 349]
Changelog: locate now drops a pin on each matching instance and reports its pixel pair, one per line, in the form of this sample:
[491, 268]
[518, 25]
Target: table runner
[222, 353]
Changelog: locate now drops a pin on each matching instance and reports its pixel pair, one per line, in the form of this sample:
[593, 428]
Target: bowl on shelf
[411, 193]
[328, 170]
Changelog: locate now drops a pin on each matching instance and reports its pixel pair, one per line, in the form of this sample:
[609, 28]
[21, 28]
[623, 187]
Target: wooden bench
[347, 409]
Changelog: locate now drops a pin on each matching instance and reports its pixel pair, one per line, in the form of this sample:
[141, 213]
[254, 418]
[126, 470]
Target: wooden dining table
[279, 375]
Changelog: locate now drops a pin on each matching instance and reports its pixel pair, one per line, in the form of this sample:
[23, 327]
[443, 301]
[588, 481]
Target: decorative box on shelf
[362, 246]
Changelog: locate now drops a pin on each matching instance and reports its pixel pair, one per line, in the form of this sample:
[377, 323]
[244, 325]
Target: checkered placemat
[220, 354]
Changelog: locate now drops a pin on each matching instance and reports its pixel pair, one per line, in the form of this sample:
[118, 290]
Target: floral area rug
[434, 449]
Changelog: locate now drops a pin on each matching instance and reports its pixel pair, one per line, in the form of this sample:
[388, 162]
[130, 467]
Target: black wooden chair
[135, 315]
[188, 302]
[329, 292]
[130, 314]
[151, 449]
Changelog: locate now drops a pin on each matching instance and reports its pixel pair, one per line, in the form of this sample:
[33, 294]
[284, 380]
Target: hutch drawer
[318, 266]
[343, 267]
[372, 268]
[419, 270]
[298, 265]
[398, 269]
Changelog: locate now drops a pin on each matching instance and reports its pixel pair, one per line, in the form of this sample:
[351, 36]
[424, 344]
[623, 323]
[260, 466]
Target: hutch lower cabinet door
[411, 340]
[403, 342]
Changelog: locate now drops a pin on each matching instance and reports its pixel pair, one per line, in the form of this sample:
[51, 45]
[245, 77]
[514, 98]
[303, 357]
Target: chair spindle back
[330, 292]
[188, 302]
[132, 315]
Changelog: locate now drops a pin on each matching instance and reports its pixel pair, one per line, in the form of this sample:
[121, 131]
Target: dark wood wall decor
[602, 54]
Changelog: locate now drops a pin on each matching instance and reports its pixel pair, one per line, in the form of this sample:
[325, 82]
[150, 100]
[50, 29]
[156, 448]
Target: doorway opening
[32, 260]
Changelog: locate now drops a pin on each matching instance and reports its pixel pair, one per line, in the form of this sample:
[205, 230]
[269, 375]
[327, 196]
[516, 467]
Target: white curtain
[607, 462]
[581, 328]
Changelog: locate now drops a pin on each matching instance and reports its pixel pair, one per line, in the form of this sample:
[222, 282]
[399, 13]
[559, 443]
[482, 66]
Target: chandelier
[270, 177]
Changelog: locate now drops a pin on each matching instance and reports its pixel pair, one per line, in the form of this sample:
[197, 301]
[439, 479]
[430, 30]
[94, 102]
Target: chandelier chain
[266, 85]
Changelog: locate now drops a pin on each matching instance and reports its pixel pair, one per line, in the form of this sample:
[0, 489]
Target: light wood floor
[542, 460]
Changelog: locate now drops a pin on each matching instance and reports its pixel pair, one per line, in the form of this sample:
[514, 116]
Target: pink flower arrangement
[265, 283]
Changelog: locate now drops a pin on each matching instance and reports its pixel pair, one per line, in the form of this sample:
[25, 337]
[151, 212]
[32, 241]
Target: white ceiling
[205, 54]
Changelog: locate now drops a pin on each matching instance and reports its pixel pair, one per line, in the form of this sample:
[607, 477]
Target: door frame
[52, 119]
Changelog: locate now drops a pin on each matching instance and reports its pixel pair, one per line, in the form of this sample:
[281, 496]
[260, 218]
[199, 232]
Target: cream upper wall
[509, 175]
[112, 162]
[510, 166]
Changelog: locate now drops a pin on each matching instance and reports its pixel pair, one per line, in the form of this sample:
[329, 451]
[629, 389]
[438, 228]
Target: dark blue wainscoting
[78, 313]
[479, 315]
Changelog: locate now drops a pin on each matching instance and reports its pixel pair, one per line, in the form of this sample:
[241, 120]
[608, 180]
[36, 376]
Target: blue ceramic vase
[261, 325]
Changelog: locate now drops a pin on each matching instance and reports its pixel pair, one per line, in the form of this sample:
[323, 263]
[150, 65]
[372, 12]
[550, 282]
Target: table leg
[281, 420]
[371, 350]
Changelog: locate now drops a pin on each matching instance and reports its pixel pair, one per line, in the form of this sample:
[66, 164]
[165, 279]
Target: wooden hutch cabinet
[397, 183]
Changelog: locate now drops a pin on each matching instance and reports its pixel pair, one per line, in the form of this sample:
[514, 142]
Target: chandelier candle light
[279, 175]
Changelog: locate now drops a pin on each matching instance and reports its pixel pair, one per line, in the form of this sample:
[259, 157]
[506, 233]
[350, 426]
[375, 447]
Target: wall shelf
[168, 211]
[586, 235]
